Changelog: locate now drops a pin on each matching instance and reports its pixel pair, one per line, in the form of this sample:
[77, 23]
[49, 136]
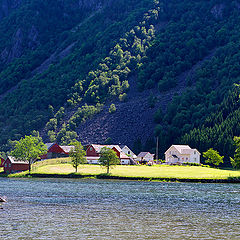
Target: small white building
[145, 157]
[182, 154]
[128, 152]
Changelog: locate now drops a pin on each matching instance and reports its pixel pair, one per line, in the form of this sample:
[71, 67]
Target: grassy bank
[158, 172]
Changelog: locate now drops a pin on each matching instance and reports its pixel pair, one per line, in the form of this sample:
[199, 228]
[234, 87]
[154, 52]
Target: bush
[191, 164]
[112, 108]
[123, 97]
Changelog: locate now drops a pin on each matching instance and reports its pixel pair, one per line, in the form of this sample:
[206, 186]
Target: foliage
[29, 149]
[183, 48]
[213, 157]
[108, 158]
[77, 154]
[236, 160]
[61, 30]
[112, 108]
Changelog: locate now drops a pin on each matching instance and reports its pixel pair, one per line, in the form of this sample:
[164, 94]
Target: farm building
[56, 151]
[12, 165]
[128, 152]
[182, 154]
[1, 162]
[145, 157]
[93, 153]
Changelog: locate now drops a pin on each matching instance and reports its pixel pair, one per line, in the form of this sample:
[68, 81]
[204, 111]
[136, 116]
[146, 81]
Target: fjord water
[99, 209]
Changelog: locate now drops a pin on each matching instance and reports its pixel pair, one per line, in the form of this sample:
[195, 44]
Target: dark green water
[99, 209]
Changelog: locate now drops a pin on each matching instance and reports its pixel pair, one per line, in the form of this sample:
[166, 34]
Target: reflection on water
[99, 209]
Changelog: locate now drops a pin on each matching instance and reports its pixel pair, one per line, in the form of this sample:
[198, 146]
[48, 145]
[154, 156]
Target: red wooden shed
[56, 151]
[12, 165]
[1, 162]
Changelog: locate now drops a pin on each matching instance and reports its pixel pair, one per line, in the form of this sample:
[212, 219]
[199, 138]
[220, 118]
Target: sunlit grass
[158, 171]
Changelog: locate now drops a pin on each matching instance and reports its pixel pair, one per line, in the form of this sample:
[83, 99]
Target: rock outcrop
[6, 6]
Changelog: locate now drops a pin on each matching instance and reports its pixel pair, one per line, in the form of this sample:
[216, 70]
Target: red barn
[12, 165]
[56, 151]
[1, 162]
[93, 153]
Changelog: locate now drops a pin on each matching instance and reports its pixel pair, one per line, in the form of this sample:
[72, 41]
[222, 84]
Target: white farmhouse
[128, 152]
[182, 154]
[145, 157]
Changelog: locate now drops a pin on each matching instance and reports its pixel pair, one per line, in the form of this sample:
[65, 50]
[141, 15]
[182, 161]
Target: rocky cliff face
[28, 37]
[6, 6]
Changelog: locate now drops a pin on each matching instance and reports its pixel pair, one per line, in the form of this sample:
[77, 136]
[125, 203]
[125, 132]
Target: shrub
[112, 108]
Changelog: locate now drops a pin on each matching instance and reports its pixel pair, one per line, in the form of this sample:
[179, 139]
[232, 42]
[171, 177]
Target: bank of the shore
[137, 173]
[112, 177]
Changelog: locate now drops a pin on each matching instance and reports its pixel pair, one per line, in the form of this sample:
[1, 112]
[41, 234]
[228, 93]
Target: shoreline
[112, 177]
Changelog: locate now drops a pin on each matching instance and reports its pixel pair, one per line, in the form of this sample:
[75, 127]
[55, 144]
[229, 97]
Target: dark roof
[143, 154]
[49, 145]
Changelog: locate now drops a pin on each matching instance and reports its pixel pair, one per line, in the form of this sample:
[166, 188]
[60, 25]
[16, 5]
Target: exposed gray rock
[33, 38]
[217, 10]
[16, 50]
[6, 6]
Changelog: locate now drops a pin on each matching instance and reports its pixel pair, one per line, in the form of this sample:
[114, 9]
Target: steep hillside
[169, 68]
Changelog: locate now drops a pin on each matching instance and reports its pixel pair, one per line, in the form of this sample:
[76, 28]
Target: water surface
[100, 209]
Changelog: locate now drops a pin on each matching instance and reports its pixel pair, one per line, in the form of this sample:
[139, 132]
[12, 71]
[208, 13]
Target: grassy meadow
[64, 167]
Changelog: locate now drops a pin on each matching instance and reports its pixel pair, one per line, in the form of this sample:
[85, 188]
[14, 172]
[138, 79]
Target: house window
[170, 152]
[128, 152]
[186, 158]
[195, 152]
[91, 149]
[195, 159]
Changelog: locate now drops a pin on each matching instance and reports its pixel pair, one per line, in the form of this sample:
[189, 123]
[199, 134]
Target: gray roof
[67, 149]
[143, 154]
[49, 145]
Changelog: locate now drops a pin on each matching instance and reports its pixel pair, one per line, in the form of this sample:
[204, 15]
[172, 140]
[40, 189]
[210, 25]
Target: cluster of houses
[176, 154]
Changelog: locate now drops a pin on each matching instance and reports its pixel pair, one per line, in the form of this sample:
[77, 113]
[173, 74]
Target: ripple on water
[99, 209]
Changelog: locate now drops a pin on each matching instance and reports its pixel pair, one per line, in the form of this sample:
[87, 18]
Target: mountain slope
[168, 66]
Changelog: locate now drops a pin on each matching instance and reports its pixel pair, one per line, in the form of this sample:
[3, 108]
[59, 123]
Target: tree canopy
[108, 158]
[77, 154]
[236, 160]
[29, 149]
[213, 157]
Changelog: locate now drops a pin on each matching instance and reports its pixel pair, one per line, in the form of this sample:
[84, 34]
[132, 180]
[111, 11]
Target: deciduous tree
[77, 154]
[213, 157]
[236, 160]
[108, 158]
[29, 149]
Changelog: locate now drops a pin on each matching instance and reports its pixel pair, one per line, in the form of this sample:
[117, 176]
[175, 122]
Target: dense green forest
[64, 63]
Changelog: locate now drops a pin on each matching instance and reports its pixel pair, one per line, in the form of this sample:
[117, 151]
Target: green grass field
[63, 167]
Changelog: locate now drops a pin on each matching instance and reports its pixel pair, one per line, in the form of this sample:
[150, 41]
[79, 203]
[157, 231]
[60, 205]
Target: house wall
[192, 157]
[15, 167]
[91, 152]
[168, 155]
[195, 158]
[92, 161]
[1, 162]
[148, 157]
[55, 151]
[125, 161]
[117, 152]
[128, 151]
